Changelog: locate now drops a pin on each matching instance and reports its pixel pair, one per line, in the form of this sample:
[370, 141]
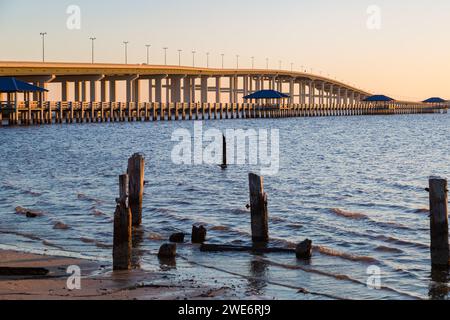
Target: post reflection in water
[439, 289]
[137, 251]
[259, 272]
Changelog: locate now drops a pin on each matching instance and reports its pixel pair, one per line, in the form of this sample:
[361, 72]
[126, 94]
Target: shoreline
[97, 282]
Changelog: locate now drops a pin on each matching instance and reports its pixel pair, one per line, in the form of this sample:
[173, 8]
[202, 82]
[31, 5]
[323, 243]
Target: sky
[394, 47]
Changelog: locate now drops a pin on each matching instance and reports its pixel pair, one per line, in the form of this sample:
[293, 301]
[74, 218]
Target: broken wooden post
[258, 206]
[168, 251]
[177, 238]
[122, 228]
[136, 171]
[224, 153]
[304, 250]
[198, 234]
[439, 222]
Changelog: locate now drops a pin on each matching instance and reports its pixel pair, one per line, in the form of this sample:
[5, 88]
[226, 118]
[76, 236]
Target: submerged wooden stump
[304, 250]
[122, 229]
[198, 234]
[168, 251]
[177, 238]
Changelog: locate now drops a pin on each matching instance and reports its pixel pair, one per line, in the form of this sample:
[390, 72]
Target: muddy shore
[98, 282]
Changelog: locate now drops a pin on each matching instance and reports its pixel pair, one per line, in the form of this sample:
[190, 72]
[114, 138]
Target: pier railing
[49, 112]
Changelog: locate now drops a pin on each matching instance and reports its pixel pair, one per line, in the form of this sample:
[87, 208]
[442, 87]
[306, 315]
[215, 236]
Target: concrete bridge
[117, 91]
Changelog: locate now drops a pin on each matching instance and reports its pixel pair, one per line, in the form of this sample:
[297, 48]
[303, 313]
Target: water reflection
[439, 289]
[137, 251]
[258, 276]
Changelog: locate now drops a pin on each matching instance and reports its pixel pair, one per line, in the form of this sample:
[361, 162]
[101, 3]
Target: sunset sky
[407, 58]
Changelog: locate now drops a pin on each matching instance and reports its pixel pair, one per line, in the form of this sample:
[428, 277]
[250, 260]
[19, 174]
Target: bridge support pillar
[103, 91]
[64, 91]
[112, 91]
[158, 90]
[218, 89]
[83, 91]
[187, 90]
[93, 90]
[77, 89]
[150, 90]
[311, 93]
[204, 89]
[176, 89]
[168, 90]
[246, 85]
[193, 89]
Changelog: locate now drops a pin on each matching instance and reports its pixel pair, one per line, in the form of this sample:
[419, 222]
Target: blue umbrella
[434, 100]
[266, 94]
[12, 85]
[378, 98]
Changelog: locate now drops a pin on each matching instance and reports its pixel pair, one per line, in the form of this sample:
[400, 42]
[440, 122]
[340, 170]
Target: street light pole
[165, 55]
[207, 60]
[253, 62]
[237, 61]
[93, 40]
[193, 58]
[267, 63]
[179, 57]
[43, 34]
[126, 51]
[223, 58]
[148, 53]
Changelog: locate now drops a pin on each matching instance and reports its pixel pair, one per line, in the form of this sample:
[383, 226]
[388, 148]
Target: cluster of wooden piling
[128, 215]
[35, 113]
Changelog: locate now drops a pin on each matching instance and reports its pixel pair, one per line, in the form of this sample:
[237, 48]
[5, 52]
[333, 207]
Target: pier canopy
[378, 98]
[266, 94]
[12, 85]
[434, 100]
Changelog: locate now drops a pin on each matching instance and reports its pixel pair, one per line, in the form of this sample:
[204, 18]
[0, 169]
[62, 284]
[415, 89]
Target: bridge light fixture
[92, 48]
[165, 55]
[126, 51]
[43, 34]
[193, 58]
[179, 56]
[148, 53]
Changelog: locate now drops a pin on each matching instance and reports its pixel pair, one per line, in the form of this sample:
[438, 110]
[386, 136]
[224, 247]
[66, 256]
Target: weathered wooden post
[259, 212]
[439, 222]
[198, 234]
[136, 171]
[122, 228]
[224, 153]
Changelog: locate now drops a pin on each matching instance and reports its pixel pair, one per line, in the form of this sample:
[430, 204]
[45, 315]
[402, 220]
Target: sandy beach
[98, 282]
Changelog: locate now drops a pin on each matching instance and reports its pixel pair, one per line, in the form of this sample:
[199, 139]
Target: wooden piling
[198, 234]
[259, 211]
[439, 222]
[224, 153]
[136, 171]
[122, 229]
